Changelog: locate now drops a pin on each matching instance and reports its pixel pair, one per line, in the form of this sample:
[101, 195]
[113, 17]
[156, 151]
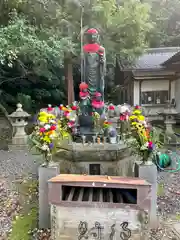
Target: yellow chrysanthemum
[141, 118]
[43, 119]
[134, 123]
[137, 112]
[139, 125]
[132, 117]
[47, 115]
[43, 113]
[46, 139]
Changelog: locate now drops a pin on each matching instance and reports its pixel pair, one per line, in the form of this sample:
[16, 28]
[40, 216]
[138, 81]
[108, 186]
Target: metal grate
[106, 195]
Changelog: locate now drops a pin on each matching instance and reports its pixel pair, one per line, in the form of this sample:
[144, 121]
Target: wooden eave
[153, 74]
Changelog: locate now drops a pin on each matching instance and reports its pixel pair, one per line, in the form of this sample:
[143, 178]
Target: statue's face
[92, 38]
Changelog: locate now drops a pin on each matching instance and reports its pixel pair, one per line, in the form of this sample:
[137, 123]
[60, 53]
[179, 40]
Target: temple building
[151, 81]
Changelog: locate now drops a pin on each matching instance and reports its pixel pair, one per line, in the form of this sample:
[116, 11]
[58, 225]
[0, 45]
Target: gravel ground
[169, 195]
[9, 208]
[13, 166]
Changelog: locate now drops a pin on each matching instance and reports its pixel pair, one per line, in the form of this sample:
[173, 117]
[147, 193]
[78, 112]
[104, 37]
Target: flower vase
[148, 162]
[47, 160]
[147, 159]
[112, 140]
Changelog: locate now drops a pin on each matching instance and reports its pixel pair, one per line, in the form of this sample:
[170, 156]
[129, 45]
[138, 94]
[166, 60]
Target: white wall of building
[136, 93]
[159, 85]
[173, 85]
[153, 85]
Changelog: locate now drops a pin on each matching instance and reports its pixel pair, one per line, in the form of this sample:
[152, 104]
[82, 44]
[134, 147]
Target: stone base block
[15, 147]
[45, 173]
[149, 173]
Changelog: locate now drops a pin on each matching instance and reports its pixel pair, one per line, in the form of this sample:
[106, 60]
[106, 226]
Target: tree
[33, 45]
[29, 54]
[165, 16]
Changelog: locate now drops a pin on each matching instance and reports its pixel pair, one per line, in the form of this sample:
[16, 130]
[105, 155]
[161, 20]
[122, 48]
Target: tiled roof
[153, 58]
[65, 178]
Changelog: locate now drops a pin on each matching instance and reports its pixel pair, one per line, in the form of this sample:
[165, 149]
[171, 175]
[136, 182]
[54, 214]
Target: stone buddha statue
[94, 63]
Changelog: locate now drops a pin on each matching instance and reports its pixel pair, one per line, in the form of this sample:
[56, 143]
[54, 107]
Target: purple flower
[103, 116]
[51, 145]
[112, 132]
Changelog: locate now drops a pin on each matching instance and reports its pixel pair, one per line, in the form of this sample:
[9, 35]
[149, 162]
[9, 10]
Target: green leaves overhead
[19, 40]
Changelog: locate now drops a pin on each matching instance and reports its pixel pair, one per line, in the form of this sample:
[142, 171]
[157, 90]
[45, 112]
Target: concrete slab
[176, 228]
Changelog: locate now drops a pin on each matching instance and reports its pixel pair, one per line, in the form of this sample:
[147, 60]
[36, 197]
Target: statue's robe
[94, 68]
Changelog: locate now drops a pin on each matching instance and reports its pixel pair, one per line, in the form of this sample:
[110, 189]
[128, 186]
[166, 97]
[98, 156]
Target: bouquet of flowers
[144, 139]
[46, 135]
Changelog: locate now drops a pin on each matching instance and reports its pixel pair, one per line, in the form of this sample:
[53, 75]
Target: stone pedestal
[169, 125]
[149, 173]
[86, 125]
[45, 173]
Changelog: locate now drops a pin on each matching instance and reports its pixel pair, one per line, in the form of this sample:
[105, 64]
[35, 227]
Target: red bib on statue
[91, 47]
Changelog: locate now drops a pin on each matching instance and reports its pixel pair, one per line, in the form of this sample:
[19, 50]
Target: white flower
[144, 147]
[52, 121]
[45, 147]
[47, 126]
[123, 109]
[72, 119]
[41, 123]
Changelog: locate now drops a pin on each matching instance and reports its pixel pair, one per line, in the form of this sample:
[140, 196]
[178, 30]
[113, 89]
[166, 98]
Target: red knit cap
[92, 31]
[83, 86]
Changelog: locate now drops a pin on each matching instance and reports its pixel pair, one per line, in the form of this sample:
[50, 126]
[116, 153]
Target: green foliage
[160, 190]
[19, 40]
[23, 225]
[36, 36]
[166, 21]
[26, 222]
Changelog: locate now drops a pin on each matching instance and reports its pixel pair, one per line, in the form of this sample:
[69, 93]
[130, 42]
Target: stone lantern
[18, 118]
[169, 113]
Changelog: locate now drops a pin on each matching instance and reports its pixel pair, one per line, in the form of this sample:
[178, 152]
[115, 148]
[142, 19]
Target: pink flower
[150, 145]
[137, 107]
[42, 129]
[122, 118]
[74, 108]
[111, 107]
[71, 124]
[50, 108]
[66, 114]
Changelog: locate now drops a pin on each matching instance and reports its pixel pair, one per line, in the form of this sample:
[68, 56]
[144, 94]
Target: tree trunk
[68, 67]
